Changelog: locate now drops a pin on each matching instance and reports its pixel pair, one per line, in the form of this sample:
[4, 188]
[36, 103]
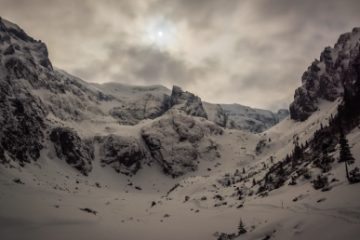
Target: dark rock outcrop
[71, 148]
[22, 122]
[124, 154]
[326, 79]
[22, 115]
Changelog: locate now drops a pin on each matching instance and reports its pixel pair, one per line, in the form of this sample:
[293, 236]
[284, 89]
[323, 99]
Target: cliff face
[22, 61]
[326, 78]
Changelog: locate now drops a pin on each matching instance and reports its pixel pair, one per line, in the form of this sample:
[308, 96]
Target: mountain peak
[21, 51]
[188, 102]
[326, 78]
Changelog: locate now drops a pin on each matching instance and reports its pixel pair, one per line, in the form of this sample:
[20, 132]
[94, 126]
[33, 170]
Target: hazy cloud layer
[251, 51]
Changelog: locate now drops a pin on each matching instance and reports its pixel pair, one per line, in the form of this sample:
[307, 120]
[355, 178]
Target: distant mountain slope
[237, 116]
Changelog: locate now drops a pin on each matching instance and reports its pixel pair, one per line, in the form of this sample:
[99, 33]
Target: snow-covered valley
[114, 161]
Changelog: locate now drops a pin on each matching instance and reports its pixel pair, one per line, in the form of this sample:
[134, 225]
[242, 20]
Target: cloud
[199, 14]
[145, 65]
[252, 51]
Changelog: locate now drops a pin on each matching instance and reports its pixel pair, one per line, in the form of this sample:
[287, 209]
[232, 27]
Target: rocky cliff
[325, 79]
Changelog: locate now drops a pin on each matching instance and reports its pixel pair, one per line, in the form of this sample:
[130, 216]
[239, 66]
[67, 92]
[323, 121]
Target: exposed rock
[124, 154]
[88, 210]
[71, 148]
[22, 115]
[22, 122]
[188, 102]
[326, 79]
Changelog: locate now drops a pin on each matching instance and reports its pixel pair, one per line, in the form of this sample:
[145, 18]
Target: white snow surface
[49, 202]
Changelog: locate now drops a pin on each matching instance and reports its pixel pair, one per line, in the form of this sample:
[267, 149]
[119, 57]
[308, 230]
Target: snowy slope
[124, 211]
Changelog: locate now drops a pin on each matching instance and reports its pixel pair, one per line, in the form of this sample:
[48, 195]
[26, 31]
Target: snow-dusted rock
[22, 122]
[124, 154]
[136, 103]
[216, 114]
[148, 107]
[21, 113]
[177, 140]
[187, 102]
[251, 119]
[71, 148]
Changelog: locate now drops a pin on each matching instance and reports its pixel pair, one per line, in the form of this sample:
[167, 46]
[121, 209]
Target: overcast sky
[251, 52]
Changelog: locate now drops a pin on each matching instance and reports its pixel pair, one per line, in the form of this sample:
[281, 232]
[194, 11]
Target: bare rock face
[326, 79]
[21, 114]
[176, 142]
[187, 102]
[22, 55]
[125, 154]
[71, 148]
[22, 122]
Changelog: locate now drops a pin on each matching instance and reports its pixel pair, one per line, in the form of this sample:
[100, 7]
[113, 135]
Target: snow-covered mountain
[38, 100]
[88, 161]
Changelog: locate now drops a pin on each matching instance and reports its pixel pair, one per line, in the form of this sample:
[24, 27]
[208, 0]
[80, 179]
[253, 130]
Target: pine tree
[325, 161]
[345, 153]
[241, 227]
[254, 182]
[298, 152]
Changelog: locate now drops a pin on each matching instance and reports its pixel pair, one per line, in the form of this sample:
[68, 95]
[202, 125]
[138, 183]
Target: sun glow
[161, 33]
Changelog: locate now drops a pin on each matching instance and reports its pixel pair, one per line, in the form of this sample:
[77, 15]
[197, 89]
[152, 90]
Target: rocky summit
[325, 79]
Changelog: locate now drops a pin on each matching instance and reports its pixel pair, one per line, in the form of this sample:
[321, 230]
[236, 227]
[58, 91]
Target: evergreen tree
[325, 161]
[298, 152]
[241, 227]
[345, 153]
[281, 171]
